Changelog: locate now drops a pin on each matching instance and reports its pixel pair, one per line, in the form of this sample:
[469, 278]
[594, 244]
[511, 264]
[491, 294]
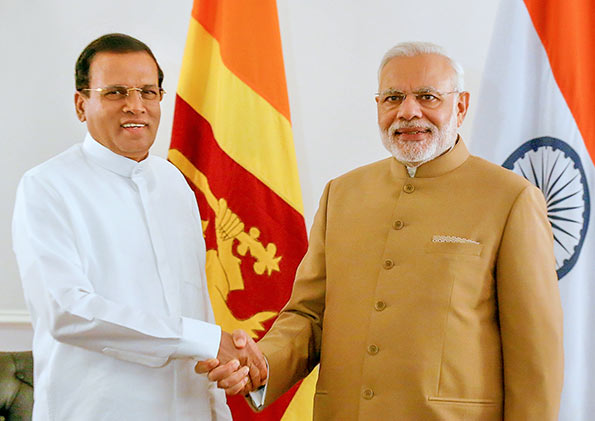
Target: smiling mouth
[133, 125]
[410, 131]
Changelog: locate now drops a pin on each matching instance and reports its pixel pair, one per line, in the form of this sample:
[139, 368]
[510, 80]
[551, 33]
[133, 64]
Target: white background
[331, 52]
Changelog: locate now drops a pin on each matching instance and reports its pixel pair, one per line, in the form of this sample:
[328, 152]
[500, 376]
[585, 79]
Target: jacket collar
[437, 166]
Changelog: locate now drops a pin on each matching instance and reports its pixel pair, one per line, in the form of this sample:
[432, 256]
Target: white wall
[331, 52]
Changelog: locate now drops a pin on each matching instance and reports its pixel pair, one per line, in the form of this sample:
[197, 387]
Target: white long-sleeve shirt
[112, 257]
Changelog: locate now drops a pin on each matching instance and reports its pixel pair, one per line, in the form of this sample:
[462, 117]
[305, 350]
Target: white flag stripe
[520, 101]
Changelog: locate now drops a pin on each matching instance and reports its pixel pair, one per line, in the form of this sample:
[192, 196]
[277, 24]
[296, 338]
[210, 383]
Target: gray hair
[416, 48]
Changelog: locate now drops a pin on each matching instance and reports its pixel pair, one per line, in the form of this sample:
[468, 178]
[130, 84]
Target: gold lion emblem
[223, 267]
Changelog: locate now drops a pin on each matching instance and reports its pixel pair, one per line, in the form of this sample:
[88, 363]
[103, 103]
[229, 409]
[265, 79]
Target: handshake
[239, 367]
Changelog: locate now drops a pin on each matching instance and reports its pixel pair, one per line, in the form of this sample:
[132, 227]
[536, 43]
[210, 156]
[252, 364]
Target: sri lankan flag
[232, 140]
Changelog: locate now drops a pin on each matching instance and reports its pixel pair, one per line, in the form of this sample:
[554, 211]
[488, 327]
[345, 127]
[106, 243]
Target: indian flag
[536, 116]
[232, 140]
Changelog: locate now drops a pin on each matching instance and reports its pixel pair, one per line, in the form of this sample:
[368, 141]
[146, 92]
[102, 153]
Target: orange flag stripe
[566, 30]
[256, 125]
[248, 34]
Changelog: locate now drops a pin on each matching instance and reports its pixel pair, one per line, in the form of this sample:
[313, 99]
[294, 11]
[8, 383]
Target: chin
[410, 151]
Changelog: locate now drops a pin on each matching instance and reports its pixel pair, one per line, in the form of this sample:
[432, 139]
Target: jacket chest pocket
[464, 249]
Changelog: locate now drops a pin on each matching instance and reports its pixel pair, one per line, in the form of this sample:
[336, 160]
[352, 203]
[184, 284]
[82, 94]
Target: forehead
[411, 73]
[132, 69]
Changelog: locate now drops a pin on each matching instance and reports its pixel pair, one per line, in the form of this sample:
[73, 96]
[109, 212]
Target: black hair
[113, 43]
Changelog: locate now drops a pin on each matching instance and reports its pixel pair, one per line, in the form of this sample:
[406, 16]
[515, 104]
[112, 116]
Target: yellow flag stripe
[243, 122]
[301, 406]
[193, 174]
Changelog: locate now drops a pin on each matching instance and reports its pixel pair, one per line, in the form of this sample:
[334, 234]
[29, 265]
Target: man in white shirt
[110, 250]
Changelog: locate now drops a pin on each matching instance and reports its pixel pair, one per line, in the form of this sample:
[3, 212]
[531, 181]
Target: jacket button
[368, 394]
[20, 376]
[398, 224]
[388, 264]
[373, 349]
[379, 305]
[408, 188]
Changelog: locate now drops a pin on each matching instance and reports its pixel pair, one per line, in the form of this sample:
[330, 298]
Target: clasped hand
[239, 367]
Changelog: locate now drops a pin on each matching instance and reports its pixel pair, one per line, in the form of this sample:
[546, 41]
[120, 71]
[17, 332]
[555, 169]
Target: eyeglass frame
[159, 97]
[422, 91]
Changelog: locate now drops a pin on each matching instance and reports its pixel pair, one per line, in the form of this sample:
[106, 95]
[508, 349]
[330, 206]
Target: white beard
[412, 153]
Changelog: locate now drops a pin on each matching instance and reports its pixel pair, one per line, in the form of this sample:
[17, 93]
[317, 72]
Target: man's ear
[80, 102]
[462, 107]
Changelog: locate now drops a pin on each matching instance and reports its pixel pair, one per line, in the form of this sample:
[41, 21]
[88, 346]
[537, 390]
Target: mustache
[399, 125]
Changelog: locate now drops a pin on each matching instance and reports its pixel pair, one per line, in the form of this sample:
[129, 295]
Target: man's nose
[409, 108]
[134, 102]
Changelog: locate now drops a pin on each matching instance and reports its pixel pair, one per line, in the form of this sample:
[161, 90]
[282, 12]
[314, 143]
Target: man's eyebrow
[421, 89]
[425, 89]
[391, 91]
[120, 85]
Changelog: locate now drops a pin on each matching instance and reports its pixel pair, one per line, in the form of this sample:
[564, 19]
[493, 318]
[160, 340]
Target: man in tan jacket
[429, 289]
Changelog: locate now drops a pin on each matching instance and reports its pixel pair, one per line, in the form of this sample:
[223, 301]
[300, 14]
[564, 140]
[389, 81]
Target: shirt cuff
[199, 340]
[259, 395]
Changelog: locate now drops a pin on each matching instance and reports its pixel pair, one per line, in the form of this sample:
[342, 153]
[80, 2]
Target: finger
[203, 367]
[260, 365]
[223, 371]
[234, 390]
[226, 348]
[247, 388]
[239, 338]
[255, 376]
[234, 379]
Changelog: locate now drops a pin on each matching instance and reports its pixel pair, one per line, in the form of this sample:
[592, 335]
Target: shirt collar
[437, 166]
[109, 160]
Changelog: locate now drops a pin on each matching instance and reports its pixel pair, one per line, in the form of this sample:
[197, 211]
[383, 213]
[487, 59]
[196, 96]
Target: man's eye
[394, 98]
[148, 93]
[427, 97]
[114, 93]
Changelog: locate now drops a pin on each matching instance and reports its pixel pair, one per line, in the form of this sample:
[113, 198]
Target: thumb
[239, 338]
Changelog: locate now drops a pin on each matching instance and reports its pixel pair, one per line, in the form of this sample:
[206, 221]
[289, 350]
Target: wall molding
[20, 318]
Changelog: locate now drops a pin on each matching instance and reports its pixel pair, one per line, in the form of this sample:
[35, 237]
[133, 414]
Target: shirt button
[373, 349]
[368, 394]
[379, 305]
[388, 264]
[408, 188]
[398, 224]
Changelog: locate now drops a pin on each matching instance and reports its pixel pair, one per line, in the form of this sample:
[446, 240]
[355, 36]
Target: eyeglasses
[116, 93]
[427, 98]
